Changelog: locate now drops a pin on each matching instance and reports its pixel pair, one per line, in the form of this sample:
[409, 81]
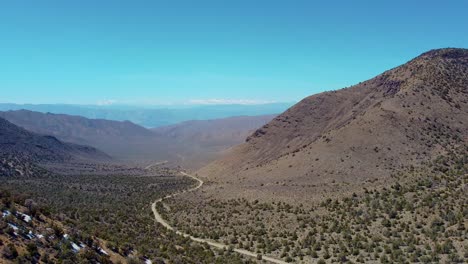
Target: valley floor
[423, 217]
[212, 243]
[112, 210]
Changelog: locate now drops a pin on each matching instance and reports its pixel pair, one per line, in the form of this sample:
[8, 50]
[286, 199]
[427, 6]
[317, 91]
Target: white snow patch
[103, 251]
[65, 236]
[30, 234]
[26, 217]
[148, 261]
[13, 226]
[6, 213]
[39, 236]
[75, 247]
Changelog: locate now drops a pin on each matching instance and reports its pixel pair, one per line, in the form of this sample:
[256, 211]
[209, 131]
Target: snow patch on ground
[30, 235]
[103, 251]
[6, 213]
[26, 217]
[13, 226]
[75, 247]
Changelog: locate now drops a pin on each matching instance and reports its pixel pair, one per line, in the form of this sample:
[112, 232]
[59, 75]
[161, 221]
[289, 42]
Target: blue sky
[179, 52]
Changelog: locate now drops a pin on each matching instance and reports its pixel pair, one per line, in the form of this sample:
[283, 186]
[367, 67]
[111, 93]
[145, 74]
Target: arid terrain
[421, 218]
[234, 132]
[373, 173]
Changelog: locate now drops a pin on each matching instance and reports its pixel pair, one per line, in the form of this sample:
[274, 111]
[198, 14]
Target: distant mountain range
[153, 117]
[344, 140]
[191, 143]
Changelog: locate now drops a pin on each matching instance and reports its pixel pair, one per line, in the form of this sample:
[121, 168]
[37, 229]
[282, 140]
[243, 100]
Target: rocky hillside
[21, 147]
[364, 134]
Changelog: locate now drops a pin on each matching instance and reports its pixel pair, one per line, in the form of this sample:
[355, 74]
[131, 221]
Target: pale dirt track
[158, 218]
[156, 164]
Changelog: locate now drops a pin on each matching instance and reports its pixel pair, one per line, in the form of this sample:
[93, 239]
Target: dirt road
[163, 222]
[156, 164]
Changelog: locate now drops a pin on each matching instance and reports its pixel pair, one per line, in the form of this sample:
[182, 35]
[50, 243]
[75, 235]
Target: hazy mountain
[191, 143]
[218, 131]
[342, 140]
[75, 128]
[20, 148]
[153, 117]
[196, 142]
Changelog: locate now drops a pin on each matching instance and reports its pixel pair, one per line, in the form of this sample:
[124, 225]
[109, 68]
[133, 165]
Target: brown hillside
[331, 142]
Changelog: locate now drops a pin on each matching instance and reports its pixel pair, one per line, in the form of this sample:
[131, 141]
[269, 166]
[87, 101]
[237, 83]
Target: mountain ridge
[156, 116]
[366, 132]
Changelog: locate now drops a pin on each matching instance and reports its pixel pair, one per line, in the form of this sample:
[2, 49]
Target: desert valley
[233, 132]
[375, 172]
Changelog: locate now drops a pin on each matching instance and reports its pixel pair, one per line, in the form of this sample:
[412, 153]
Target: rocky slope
[339, 141]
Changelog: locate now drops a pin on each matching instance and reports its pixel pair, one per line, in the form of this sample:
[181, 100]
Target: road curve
[158, 218]
[156, 164]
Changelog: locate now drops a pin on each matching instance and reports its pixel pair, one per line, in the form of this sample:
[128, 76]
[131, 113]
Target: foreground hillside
[338, 142]
[191, 144]
[29, 235]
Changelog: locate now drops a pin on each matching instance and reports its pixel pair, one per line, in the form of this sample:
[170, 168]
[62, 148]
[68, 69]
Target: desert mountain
[340, 141]
[190, 143]
[75, 129]
[19, 149]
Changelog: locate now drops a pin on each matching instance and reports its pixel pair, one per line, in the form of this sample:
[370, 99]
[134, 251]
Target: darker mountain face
[405, 116]
[73, 128]
[21, 145]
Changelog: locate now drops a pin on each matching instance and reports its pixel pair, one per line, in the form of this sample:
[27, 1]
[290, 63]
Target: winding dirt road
[163, 222]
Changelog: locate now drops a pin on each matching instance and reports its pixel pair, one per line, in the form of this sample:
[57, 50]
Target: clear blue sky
[154, 52]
